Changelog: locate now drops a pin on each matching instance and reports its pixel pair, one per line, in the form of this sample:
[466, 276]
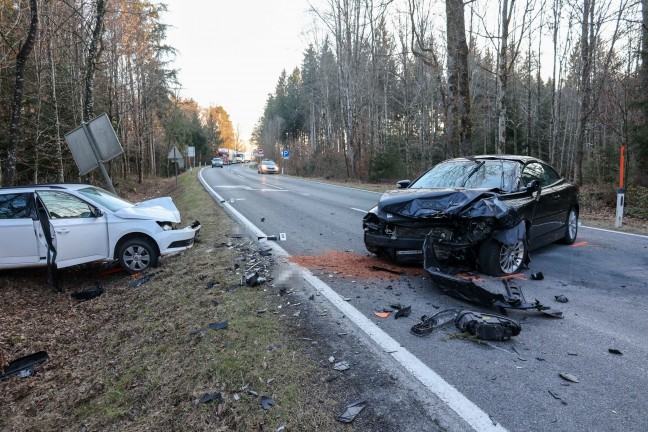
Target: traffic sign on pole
[286, 154]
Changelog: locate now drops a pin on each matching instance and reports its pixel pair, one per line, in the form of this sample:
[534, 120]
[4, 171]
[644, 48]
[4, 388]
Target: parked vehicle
[217, 162]
[484, 210]
[267, 167]
[72, 224]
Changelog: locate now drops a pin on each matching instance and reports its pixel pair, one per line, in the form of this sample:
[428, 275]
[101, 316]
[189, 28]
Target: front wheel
[499, 259]
[136, 255]
[571, 230]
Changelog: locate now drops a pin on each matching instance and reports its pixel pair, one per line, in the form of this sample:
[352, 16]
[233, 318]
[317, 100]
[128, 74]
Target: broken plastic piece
[568, 377]
[267, 402]
[614, 351]
[209, 397]
[552, 313]
[341, 366]
[88, 293]
[487, 326]
[212, 326]
[382, 314]
[403, 312]
[139, 281]
[561, 298]
[537, 276]
[352, 410]
[265, 252]
[24, 366]
[252, 279]
[436, 321]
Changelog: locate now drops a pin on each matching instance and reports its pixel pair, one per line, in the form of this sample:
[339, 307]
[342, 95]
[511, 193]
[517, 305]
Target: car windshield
[269, 163]
[105, 198]
[472, 174]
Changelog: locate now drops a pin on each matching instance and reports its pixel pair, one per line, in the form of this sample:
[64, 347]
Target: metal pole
[95, 150]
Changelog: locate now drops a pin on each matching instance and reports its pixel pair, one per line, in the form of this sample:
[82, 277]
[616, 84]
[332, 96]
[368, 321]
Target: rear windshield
[471, 174]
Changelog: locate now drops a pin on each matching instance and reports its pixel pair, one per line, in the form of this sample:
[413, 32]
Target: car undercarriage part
[435, 322]
[467, 290]
[24, 366]
[487, 326]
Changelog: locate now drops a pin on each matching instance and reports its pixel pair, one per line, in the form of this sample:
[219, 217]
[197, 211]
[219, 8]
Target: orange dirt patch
[347, 264]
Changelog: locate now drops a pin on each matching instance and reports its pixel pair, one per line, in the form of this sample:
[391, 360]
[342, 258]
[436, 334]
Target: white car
[72, 224]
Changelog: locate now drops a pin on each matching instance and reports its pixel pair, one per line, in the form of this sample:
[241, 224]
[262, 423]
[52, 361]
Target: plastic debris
[352, 410]
[568, 377]
[88, 293]
[561, 298]
[139, 281]
[267, 402]
[341, 366]
[403, 312]
[382, 314]
[537, 276]
[24, 367]
[487, 326]
[252, 279]
[213, 326]
[614, 351]
[210, 397]
[436, 321]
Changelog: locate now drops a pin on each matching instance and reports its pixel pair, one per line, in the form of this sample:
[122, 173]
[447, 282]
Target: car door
[80, 235]
[18, 239]
[542, 223]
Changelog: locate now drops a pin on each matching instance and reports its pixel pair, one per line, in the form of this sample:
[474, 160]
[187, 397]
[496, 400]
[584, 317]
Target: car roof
[47, 186]
[517, 158]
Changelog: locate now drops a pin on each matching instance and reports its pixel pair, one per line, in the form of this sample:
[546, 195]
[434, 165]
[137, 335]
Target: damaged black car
[484, 211]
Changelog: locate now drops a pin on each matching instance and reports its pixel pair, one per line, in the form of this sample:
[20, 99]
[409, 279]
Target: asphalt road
[604, 276]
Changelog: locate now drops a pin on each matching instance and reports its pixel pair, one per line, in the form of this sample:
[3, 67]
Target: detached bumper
[177, 240]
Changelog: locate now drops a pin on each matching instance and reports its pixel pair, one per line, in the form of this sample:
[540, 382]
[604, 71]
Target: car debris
[341, 366]
[24, 367]
[561, 298]
[614, 351]
[139, 281]
[568, 377]
[402, 312]
[352, 410]
[435, 322]
[213, 326]
[385, 269]
[267, 402]
[382, 314]
[487, 326]
[210, 397]
[537, 276]
[88, 293]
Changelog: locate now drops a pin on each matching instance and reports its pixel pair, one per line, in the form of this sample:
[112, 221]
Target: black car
[488, 211]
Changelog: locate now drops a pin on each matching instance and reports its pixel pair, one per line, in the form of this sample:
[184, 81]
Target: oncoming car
[267, 167]
[217, 162]
[488, 211]
[77, 223]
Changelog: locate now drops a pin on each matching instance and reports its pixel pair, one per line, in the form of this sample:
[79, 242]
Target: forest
[386, 88]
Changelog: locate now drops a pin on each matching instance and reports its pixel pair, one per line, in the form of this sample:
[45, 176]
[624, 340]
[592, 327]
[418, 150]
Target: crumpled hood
[430, 203]
[158, 209]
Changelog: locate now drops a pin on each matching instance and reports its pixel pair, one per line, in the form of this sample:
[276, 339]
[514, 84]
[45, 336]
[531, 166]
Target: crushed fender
[24, 367]
[352, 410]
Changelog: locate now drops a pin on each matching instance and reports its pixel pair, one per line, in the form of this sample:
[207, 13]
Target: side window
[533, 171]
[14, 206]
[551, 176]
[61, 205]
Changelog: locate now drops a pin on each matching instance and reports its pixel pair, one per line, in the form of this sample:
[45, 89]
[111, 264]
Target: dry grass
[127, 360]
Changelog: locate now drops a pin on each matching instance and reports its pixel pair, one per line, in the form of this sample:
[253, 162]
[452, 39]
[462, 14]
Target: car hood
[158, 209]
[430, 203]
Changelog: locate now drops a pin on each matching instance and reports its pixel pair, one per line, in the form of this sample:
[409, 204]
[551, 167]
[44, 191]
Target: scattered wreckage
[488, 211]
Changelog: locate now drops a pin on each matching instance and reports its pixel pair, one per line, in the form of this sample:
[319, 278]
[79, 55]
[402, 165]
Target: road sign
[257, 152]
[286, 154]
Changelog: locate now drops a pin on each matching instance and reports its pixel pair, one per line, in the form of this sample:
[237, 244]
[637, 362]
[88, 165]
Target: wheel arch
[134, 235]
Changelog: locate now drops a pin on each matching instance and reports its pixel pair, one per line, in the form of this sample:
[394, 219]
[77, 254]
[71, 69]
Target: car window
[105, 198]
[61, 205]
[541, 172]
[14, 206]
[478, 174]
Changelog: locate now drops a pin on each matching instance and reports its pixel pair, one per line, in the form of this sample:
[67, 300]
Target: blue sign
[286, 154]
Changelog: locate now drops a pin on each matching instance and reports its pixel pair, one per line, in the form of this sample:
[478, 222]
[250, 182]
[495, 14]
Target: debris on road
[210, 397]
[267, 402]
[24, 367]
[557, 395]
[341, 366]
[537, 276]
[614, 351]
[352, 410]
[568, 377]
[436, 321]
[561, 298]
[487, 326]
[402, 312]
[382, 314]
[139, 281]
[385, 269]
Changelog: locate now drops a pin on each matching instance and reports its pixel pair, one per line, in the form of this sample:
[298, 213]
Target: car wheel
[498, 259]
[137, 254]
[571, 230]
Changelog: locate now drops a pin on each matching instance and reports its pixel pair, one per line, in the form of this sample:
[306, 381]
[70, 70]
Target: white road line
[358, 210]
[615, 232]
[276, 187]
[453, 398]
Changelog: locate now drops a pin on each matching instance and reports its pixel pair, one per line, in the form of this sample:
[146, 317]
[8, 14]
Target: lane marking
[358, 210]
[614, 232]
[276, 187]
[433, 382]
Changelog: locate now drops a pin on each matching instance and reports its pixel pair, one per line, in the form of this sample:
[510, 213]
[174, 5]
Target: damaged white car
[68, 224]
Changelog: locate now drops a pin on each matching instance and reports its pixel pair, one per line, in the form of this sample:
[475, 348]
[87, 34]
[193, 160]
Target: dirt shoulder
[141, 356]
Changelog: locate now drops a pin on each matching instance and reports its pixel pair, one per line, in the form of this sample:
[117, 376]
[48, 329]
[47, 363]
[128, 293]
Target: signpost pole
[95, 150]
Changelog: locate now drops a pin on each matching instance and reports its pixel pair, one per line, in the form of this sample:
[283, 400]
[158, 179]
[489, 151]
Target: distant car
[484, 210]
[217, 162]
[267, 167]
[77, 223]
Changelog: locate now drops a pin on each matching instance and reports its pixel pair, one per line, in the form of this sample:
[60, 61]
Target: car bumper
[177, 240]
[401, 248]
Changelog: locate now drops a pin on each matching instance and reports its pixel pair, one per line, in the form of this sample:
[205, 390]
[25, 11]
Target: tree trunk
[14, 127]
[91, 63]
[586, 90]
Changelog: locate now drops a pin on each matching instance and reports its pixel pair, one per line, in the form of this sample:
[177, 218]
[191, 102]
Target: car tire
[571, 230]
[137, 254]
[499, 259]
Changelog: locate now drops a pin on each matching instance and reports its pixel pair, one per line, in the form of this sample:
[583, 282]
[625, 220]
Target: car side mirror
[98, 213]
[534, 186]
[403, 184]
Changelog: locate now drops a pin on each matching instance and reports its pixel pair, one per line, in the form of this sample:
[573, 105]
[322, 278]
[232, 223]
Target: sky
[231, 52]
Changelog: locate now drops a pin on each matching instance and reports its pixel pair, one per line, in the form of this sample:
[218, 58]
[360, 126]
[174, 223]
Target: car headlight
[166, 226]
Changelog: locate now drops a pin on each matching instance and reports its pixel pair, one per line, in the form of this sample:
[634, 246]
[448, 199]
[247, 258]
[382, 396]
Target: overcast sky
[231, 52]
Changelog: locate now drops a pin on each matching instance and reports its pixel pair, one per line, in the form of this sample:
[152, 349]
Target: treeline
[386, 89]
[63, 62]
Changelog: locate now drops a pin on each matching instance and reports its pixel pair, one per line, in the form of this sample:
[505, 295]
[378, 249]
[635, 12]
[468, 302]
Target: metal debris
[352, 410]
[568, 377]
